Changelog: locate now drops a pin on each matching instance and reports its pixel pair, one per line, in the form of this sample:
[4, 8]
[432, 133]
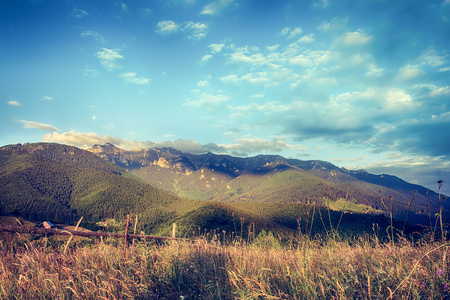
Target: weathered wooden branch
[71, 236]
[37, 230]
[125, 237]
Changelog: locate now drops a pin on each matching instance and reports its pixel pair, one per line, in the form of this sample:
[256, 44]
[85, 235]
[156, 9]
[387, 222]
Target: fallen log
[37, 230]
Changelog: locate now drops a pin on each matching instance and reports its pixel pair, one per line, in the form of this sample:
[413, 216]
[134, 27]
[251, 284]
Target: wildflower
[439, 272]
[186, 272]
[445, 286]
[423, 284]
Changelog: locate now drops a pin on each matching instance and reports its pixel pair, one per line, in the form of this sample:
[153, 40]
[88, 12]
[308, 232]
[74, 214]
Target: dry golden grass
[310, 270]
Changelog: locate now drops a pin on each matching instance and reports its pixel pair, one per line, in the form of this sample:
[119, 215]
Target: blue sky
[362, 84]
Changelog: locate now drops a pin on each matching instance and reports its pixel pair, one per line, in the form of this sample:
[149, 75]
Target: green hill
[62, 183]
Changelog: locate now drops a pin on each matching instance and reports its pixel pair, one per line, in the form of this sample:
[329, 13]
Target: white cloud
[316, 79]
[82, 140]
[203, 83]
[109, 57]
[271, 106]
[230, 78]
[193, 30]
[356, 38]
[301, 60]
[167, 27]
[87, 140]
[48, 98]
[216, 48]
[291, 32]
[243, 54]
[356, 97]
[373, 70]
[308, 58]
[443, 91]
[293, 54]
[336, 24]
[247, 145]
[324, 26]
[398, 99]
[88, 71]
[131, 78]
[79, 13]
[432, 58]
[206, 58]
[208, 100]
[409, 72]
[95, 35]
[196, 30]
[215, 7]
[321, 3]
[257, 77]
[307, 39]
[273, 47]
[36, 125]
[14, 103]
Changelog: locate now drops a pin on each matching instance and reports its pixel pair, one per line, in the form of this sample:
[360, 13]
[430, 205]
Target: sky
[363, 84]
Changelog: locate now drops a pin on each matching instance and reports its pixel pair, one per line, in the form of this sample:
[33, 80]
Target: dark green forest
[54, 182]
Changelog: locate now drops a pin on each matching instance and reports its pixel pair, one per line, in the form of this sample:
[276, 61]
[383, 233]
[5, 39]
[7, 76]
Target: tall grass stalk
[407, 212]
[312, 218]
[390, 210]
[328, 209]
[440, 211]
[343, 209]
[429, 215]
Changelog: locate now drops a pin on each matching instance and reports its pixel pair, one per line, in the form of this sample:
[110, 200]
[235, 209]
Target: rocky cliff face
[135, 159]
[185, 163]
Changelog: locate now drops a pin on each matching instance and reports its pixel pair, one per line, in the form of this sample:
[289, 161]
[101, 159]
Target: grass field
[263, 269]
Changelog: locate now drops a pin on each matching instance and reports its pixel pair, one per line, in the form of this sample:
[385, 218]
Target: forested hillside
[63, 183]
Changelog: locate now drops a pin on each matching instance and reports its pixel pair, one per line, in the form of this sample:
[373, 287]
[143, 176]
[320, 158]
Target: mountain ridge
[220, 177]
[258, 162]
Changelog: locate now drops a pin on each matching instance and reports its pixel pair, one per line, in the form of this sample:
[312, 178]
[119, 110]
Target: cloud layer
[193, 30]
[240, 147]
[37, 125]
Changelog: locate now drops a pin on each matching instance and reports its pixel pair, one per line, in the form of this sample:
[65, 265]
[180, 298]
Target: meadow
[213, 268]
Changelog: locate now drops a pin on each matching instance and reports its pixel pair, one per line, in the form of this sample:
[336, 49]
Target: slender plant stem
[343, 209]
[407, 212]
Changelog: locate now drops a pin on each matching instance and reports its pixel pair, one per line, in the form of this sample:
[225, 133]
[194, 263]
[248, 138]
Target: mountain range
[269, 178]
[199, 192]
